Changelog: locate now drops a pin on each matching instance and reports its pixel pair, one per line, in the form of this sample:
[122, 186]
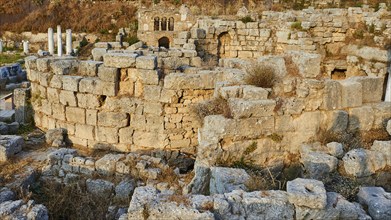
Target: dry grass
[215, 106]
[71, 201]
[260, 75]
[12, 167]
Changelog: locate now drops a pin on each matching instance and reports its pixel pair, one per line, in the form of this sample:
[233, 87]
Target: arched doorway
[223, 45]
[164, 42]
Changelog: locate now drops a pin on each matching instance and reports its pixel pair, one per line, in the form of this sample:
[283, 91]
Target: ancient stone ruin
[286, 116]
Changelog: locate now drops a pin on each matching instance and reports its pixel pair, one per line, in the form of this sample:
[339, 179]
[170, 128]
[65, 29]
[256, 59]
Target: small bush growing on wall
[260, 75]
[247, 19]
[296, 26]
[215, 106]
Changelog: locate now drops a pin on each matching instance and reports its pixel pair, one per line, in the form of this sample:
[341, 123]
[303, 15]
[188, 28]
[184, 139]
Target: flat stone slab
[9, 146]
[7, 115]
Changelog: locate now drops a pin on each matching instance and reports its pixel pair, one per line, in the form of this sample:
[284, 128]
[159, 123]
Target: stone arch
[171, 24]
[223, 45]
[164, 24]
[164, 42]
[156, 24]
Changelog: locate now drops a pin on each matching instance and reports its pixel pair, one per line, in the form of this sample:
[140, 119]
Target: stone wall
[122, 103]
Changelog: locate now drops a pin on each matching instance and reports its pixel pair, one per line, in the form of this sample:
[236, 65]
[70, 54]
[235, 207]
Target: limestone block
[152, 93]
[43, 64]
[9, 146]
[196, 61]
[106, 165]
[282, 36]
[189, 53]
[56, 82]
[377, 200]
[89, 101]
[225, 180]
[149, 139]
[88, 85]
[106, 88]
[124, 190]
[361, 162]
[308, 193]
[126, 135]
[149, 77]
[169, 96]
[107, 135]
[336, 121]
[91, 116]
[351, 93]
[44, 78]
[68, 98]
[329, 212]
[372, 88]
[46, 107]
[202, 80]
[100, 188]
[254, 93]
[70, 127]
[335, 149]
[122, 104]
[368, 53]
[71, 83]
[108, 74]
[383, 147]
[382, 114]
[120, 60]
[153, 108]
[98, 53]
[77, 115]
[33, 75]
[227, 92]
[64, 67]
[113, 119]
[89, 68]
[251, 108]
[361, 118]
[53, 95]
[31, 62]
[146, 62]
[85, 131]
[184, 35]
[58, 111]
[318, 164]
[308, 63]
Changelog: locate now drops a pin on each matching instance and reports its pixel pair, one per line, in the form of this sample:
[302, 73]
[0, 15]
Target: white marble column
[69, 41]
[59, 41]
[387, 98]
[26, 47]
[1, 46]
[51, 41]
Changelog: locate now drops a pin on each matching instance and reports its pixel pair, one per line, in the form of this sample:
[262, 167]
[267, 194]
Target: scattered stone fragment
[224, 180]
[318, 164]
[9, 146]
[307, 192]
[100, 188]
[335, 149]
[56, 137]
[377, 200]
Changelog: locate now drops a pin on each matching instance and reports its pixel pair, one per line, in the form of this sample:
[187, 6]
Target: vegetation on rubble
[260, 75]
[215, 106]
[9, 58]
[246, 19]
[296, 26]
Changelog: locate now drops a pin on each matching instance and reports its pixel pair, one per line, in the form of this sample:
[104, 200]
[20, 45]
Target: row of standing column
[59, 41]
[26, 45]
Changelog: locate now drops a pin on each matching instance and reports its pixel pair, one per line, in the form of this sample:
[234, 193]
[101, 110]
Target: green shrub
[260, 75]
[296, 26]
[131, 39]
[247, 19]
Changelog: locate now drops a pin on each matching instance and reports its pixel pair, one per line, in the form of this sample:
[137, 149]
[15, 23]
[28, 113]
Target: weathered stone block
[251, 108]
[106, 88]
[9, 146]
[225, 180]
[71, 83]
[53, 95]
[146, 62]
[58, 111]
[98, 53]
[372, 88]
[100, 188]
[383, 147]
[120, 60]
[89, 68]
[88, 85]
[308, 193]
[351, 93]
[85, 131]
[108, 74]
[318, 164]
[91, 116]
[68, 98]
[335, 149]
[107, 135]
[64, 67]
[148, 139]
[377, 200]
[149, 77]
[113, 119]
[361, 162]
[308, 63]
[126, 135]
[89, 101]
[77, 115]
[56, 82]
[254, 93]
[361, 118]
[202, 80]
